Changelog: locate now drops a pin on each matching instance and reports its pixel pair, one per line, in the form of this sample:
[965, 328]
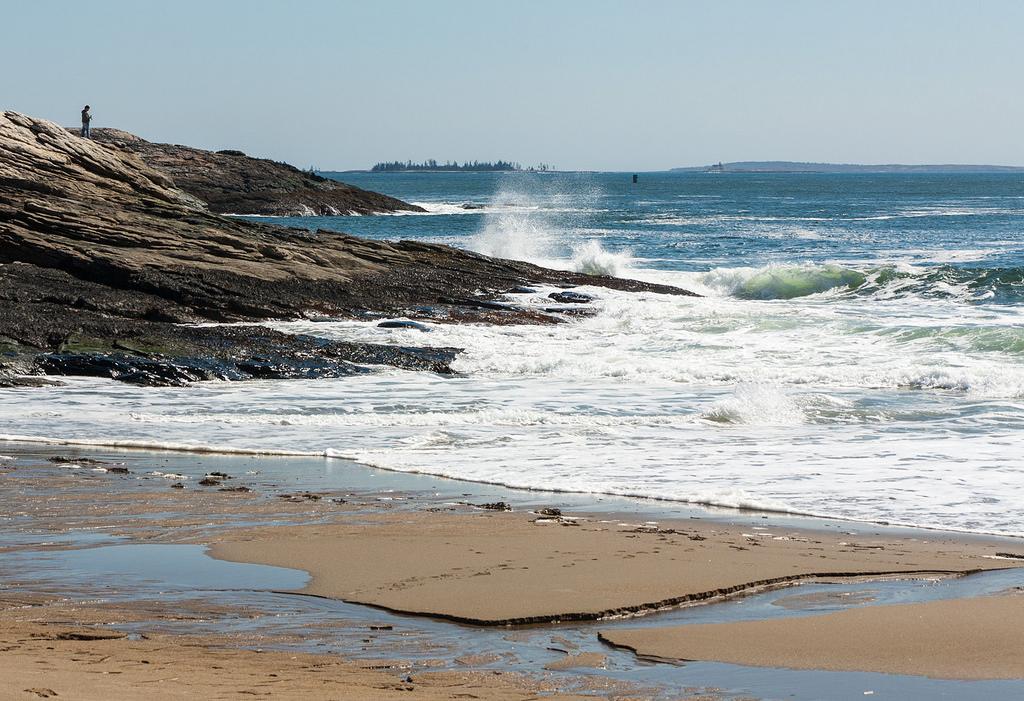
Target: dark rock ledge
[106, 266]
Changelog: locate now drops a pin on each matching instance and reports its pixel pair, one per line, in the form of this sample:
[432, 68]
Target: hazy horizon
[777, 161]
[580, 85]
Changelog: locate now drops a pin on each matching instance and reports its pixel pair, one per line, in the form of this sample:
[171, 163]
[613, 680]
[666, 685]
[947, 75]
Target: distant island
[798, 167]
[474, 166]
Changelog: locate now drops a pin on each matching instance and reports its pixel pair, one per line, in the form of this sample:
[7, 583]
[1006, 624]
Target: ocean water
[858, 352]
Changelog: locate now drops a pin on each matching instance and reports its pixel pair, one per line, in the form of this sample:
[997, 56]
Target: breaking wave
[755, 404]
[593, 259]
[790, 281]
[780, 281]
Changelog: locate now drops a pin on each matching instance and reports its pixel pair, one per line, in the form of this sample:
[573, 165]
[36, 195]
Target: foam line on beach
[745, 504]
[160, 446]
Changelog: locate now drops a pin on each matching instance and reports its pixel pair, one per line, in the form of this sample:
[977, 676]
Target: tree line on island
[434, 165]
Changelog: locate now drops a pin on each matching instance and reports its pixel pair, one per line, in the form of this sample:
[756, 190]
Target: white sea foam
[820, 404]
[944, 255]
[508, 204]
[870, 388]
[478, 417]
[143, 444]
[755, 404]
[445, 208]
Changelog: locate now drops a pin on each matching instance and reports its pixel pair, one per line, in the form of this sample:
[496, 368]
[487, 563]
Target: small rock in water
[209, 482]
[306, 496]
[400, 324]
[119, 470]
[549, 512]
[495, 506]
[570, 297]
[177, 485]
[234, 489]
[219, 475]
[571, 311]
[67, 460]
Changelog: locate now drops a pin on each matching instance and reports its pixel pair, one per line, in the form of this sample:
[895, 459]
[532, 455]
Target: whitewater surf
[858, 351]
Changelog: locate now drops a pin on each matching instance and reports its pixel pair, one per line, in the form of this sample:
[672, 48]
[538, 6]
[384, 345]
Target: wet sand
[422, 552]
[498, 568]
[979, 638]
[93, 664]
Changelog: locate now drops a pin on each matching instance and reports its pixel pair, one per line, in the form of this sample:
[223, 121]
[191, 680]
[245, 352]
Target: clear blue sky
[583, 84]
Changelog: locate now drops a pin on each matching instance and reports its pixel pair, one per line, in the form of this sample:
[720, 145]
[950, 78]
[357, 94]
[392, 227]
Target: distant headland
[432, 165]
[798, 167]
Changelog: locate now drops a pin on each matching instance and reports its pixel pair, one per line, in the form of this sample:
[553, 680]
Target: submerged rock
[495, 506]
[571, 297]
[10, 381]
[71, 460]
[296, 498]
[404, 325]
[124, 368]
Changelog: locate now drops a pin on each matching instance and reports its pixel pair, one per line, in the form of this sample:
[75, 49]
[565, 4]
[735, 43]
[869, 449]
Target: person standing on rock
[86, 118]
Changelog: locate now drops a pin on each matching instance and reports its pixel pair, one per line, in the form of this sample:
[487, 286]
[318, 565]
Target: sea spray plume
[519, 232]
[543, 222]
[591, 258]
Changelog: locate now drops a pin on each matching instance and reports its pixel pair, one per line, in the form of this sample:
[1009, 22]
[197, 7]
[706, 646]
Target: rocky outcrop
[230, 182]
[101, 254]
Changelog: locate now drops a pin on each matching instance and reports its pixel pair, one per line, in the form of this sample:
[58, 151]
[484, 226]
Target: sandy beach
[961, 639]
[499, 568]
[421, 553]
